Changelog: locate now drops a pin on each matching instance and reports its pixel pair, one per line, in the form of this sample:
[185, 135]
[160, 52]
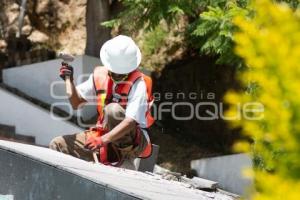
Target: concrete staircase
[9, 133]
[41, 81]
[30, 119]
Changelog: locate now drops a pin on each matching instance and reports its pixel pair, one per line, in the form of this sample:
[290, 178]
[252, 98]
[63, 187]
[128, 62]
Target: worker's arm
[127, 125]
[66, 73]
[75, 99]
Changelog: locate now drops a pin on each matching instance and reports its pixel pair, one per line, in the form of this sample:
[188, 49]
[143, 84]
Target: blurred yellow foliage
[269, 43]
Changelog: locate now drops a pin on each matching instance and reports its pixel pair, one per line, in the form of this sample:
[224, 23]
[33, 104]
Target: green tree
[209, 25]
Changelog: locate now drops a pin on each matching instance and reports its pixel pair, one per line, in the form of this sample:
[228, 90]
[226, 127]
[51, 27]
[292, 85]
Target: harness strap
[137, 139]
[103, 152]
[123, 89]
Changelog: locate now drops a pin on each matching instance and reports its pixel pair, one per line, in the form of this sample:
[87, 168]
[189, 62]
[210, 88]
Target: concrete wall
[226, 170]
[37, 79]
[31, 120]
[33, 173]
[26, 179]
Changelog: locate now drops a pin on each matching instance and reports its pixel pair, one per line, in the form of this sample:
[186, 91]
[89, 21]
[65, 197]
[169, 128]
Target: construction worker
[119, 90]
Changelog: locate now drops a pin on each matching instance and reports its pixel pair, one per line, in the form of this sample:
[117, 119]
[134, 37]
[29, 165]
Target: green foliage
[210, 32]
[269, 43]
[292, 3]
[147, 14]
[153, 40]
[111, 23]
[213, 31]
[209, 29]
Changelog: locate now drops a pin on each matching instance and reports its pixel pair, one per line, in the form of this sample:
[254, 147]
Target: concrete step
[8, 132]
[7, 128]
[31, 120]
[44, 84]
[147, 164]
[31, 172]
[19, 139]
[38, 102]
[227, 171]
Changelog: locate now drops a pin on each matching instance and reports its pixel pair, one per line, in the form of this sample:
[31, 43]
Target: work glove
[66, 70]
[93, 143]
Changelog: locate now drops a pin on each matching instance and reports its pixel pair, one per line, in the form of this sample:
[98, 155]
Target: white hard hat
[120, 55]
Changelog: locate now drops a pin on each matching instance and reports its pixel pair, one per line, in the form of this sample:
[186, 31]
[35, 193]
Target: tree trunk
[97, 11]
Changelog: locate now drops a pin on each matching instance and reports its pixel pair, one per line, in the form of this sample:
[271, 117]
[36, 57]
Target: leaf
[111, 23]
[176, 10]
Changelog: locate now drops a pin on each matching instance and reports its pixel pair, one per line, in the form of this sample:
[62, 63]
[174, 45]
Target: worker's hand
[93, 143]
[66, 70]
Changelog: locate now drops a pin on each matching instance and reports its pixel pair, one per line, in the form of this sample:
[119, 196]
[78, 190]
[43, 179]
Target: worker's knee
[114, 111]
[56, 143]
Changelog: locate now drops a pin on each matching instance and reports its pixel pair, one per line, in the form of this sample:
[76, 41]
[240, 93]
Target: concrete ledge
[226, 170]
[30, 179]
[147, 164]
[31, 172]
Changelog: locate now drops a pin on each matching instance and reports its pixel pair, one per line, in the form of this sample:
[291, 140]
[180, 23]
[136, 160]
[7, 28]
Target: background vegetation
[208, 24]
[269, 43]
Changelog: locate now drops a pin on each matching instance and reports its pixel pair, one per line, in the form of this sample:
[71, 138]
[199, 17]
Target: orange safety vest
[104, 91]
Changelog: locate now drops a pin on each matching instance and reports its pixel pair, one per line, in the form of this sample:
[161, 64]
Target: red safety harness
[104, 90]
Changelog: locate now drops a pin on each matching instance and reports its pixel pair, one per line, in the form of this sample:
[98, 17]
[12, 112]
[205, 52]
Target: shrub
[269, 43]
